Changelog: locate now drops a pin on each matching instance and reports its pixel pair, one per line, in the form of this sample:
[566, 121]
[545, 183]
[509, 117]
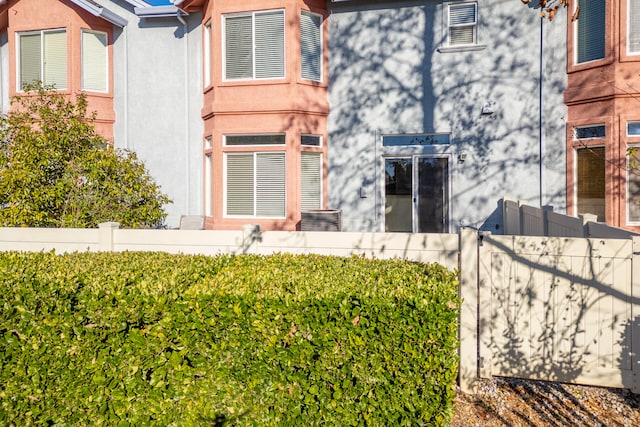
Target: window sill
[468, 48]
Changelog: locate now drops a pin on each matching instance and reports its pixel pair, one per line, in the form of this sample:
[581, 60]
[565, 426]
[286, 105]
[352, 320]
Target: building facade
[411, 116]
[603, 100]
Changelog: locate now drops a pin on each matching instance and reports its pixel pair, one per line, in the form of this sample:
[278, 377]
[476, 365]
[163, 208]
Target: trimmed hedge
[153, 338]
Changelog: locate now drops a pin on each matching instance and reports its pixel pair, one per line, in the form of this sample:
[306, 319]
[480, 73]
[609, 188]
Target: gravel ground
[513, 402]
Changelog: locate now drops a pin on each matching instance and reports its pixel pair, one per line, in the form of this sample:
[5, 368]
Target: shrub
[186, 340]
[55, 171]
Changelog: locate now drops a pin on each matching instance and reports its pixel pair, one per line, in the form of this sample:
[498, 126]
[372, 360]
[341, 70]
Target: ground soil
[513, 402]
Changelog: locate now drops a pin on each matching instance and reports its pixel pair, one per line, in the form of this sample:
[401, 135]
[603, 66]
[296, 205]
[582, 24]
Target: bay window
[311, 46]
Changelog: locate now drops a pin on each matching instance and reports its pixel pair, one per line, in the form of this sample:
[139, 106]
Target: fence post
[105, 235]
[468, 327]
[250, 238]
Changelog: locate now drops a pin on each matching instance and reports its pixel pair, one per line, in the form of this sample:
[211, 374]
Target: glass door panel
[398, 207]
[433, 195]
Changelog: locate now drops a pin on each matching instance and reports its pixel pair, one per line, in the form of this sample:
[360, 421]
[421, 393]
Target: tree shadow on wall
[389, 74]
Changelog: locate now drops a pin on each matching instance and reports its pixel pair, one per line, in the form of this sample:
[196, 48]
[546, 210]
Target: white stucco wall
[387, 76]
[157, 98]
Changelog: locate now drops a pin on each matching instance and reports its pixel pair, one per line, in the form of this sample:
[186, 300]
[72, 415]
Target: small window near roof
[278, 139]
[463, 19]
[590, 132]
[633, 129]
[312, 140]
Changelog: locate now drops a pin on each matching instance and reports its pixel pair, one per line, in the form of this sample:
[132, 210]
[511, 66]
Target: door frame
[414, 185]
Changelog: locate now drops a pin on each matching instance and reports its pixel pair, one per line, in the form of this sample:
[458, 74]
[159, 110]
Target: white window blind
[254, 46]
[462, 24]
[269, 42]
[43, 56]
[30, 58]
[255, 184]
[590, 31]
[633, 40]
[55, 59]
[94, 61]
[310, 46]
[311, 181]
[270, 184]
[240, 184]
[238, 47]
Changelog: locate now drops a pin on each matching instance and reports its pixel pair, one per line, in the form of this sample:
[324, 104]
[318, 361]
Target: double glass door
[417, 194]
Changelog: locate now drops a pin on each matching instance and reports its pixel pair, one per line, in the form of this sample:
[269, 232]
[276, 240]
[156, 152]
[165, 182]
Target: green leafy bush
[55, 171]
[152, 338]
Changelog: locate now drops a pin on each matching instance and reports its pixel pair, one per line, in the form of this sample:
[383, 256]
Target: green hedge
[152, 338]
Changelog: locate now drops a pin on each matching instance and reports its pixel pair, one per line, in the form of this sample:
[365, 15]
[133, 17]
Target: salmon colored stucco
[289, 105]
[604, 92]
[28, 15]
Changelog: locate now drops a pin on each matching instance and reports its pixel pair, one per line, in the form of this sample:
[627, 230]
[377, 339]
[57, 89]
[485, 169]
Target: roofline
[158, 11]
[104, 13]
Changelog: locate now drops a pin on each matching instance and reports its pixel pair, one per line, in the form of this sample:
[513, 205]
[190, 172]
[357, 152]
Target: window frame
[320, 47]
[474, 26]
[319, 145]
[630, 26]
[253, 135]
[303, 188]
[595, 137]
[41, 32]
[634, 122]
[628, 203]
[106, 60]
[576, 173]
[253, 14]
[576, 36]
[206, 51]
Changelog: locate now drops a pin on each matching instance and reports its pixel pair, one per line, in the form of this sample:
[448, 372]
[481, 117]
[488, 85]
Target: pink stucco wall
[605, 92]
[28, 15]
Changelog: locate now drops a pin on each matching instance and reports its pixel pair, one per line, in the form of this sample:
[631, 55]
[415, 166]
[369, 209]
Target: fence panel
[558, 309]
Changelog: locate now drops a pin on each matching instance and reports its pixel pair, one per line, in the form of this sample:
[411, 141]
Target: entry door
[417, 194]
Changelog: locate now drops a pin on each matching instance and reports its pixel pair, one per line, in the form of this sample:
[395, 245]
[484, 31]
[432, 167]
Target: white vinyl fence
[522, 220]
[554, 308]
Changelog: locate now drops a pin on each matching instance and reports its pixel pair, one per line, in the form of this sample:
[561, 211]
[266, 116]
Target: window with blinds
[255, 184]
[311, 46]
[633, 185]
[94, 61]
[43, 56]
[310, 181]
[254, 45]
[590, 31]
[590, 181]
[633, 27]
[463, 20]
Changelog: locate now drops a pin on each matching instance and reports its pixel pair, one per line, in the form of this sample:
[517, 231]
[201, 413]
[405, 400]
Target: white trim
[321, 78]
[224, 139]
[255, 181]
[448, 25]
[207, 58]
[575, 177]
[41, 33]
[253, 14]
[82, 53]
[628, 220]
[630, 26]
